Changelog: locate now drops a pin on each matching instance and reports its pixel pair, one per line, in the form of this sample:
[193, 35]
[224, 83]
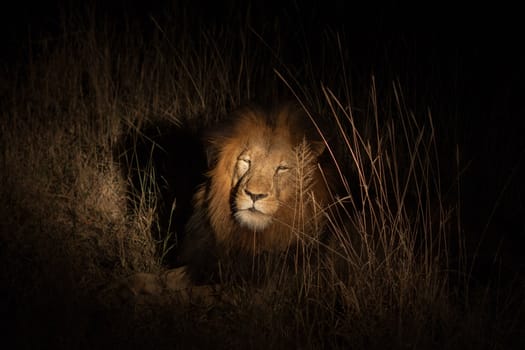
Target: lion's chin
[253, 219]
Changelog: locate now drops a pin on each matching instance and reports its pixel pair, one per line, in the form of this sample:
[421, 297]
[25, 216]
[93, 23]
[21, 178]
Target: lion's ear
[317, 147]
[212, 152]
[213, 137]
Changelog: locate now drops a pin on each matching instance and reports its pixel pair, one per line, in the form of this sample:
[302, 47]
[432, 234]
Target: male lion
[264, 194]
[263, 197]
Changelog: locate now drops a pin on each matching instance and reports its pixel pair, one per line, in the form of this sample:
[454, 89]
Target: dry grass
[68, 229]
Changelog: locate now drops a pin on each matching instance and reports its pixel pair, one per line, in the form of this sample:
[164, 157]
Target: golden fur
[265, 190]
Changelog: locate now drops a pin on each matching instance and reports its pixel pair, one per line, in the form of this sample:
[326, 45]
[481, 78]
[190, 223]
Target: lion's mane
[265, 190]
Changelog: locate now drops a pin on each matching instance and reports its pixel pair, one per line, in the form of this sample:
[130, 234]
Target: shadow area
[163, 164]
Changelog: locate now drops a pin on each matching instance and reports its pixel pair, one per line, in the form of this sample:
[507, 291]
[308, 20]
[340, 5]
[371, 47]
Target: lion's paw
[147, 287]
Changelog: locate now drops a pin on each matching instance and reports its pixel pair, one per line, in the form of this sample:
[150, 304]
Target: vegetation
[71, 225]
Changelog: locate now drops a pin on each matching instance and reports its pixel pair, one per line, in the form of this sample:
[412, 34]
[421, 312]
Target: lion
[265, 191]
[264, 196]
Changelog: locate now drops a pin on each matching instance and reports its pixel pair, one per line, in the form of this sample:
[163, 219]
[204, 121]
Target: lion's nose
[255, 196]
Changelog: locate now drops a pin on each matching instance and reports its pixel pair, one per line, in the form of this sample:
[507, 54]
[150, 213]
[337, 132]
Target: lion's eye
[282, 168]
[243, 164]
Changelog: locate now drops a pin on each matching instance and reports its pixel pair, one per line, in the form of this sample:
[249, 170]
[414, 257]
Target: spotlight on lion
[318, 212]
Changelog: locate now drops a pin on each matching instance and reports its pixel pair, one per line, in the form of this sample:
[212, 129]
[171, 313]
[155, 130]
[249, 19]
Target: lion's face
[262, 180]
